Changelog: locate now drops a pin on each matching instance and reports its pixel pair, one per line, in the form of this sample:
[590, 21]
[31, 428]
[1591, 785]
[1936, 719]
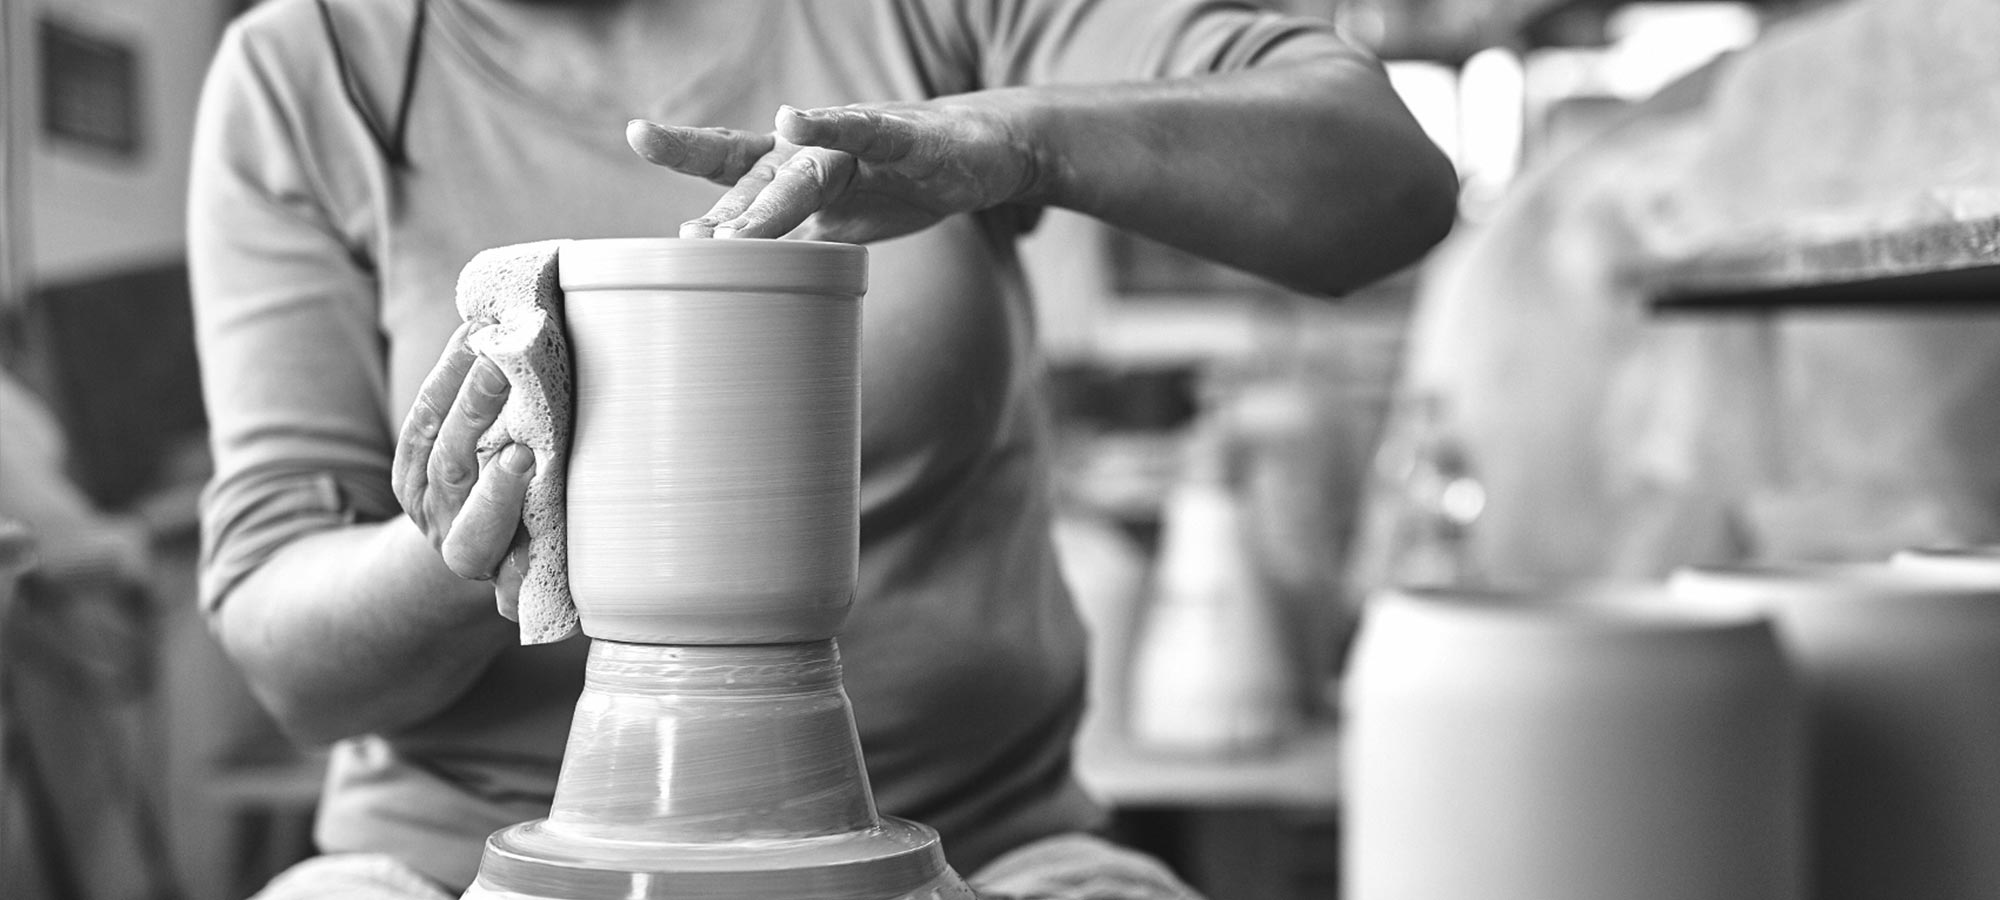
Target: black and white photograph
[999, 450]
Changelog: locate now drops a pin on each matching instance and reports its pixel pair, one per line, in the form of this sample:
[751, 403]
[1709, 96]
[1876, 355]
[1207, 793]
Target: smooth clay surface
[1902, 669]
[708, 743]
[1532, 747]
[715, 467]
[718, 772]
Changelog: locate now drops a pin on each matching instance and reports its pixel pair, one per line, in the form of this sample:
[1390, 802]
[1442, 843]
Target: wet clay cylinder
[715, 465]
[713, 539]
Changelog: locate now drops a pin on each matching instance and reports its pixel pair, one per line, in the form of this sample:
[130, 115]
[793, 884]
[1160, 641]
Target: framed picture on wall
[90, 90]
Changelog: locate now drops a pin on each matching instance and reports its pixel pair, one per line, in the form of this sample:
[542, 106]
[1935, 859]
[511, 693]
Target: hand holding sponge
[513, 300]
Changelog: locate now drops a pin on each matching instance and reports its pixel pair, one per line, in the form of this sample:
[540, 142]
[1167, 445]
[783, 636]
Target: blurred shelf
[1870, 187]
[1936, 264]
[1303, 772]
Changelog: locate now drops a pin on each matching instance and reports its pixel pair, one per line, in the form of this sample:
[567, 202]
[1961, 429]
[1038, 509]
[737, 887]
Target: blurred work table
[1303, 772]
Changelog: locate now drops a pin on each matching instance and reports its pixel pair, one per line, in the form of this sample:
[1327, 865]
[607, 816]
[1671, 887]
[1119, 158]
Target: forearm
[1308, 172]
[359, 629]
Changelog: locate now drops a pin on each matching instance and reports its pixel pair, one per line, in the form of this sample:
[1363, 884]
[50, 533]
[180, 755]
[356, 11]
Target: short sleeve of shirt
[1044, 42]
[285, 323]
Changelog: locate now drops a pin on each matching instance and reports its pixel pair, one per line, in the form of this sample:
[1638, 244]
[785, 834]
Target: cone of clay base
[718, 772]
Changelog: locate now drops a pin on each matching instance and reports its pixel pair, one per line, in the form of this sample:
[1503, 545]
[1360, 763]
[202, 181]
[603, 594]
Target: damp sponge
[514, 302]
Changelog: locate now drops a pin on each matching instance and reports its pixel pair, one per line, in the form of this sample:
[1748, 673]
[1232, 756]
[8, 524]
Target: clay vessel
[1902, 669]
[714, 470]
[713, 539]
[1575, 745]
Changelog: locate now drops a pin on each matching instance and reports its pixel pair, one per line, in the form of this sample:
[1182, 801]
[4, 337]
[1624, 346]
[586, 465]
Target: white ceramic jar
[1580, 745]
[1902, 670]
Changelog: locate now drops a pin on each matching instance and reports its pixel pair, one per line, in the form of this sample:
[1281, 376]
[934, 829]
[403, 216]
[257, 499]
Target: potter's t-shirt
[323, 277]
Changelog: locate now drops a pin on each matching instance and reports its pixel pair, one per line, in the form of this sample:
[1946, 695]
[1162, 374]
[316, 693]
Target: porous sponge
[512, 297]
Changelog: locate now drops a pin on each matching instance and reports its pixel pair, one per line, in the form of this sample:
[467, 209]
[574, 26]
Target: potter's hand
[848, 173]
[469, 506]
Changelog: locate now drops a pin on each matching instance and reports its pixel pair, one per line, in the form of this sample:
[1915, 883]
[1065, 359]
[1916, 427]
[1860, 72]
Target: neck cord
[390, 142]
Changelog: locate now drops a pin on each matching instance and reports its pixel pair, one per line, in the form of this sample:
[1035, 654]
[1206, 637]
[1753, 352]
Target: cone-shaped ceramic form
[727, 772]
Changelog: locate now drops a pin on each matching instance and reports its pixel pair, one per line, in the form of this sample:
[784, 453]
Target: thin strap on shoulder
[389, 140]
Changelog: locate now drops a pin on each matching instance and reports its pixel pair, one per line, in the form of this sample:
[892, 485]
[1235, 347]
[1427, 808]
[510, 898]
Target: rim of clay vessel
[1609, 607]
[733, 264]
[1980, 552]
[1978, 562]
[1838, 578]
[1913, 589]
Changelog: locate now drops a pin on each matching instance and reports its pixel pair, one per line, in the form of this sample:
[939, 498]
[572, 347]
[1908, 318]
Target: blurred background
[1718, 291]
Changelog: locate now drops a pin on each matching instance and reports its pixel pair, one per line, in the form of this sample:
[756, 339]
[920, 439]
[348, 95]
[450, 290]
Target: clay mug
[1575, 744]
[714, 470]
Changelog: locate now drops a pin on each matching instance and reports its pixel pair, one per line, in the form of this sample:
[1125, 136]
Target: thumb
[866, 133]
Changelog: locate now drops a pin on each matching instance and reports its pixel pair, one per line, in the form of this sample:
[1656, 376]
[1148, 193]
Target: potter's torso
[964, 658]
[956, 573]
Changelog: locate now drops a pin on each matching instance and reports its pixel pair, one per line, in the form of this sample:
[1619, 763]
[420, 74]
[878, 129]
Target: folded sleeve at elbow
[247, 519]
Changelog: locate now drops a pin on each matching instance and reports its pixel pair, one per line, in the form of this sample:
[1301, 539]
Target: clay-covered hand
[468, 503]
[858, 173]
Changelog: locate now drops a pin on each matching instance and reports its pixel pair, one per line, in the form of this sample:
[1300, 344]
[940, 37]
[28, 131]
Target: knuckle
[447, 470]
[811, 166]
[474, 415]
[932, 146]
[488, 380]
[422, 422]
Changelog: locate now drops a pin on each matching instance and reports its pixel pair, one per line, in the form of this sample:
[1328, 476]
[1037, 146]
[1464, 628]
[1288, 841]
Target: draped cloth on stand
[1616, 440]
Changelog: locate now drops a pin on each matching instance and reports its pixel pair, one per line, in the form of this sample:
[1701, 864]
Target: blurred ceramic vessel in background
[1581, 744]
[1902, 670]
[1210, 671]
